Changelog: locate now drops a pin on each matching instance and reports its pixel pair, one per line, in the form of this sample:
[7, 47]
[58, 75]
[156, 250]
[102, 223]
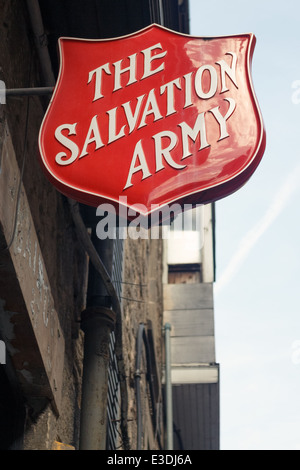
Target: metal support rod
[29, 91]
[168, 385]
[97, 324]
[138, 377]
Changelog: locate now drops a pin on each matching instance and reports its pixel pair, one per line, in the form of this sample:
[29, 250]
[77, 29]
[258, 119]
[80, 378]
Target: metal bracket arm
[29, 91]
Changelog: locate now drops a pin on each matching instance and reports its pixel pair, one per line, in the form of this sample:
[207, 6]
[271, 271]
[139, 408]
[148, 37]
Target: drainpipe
[40, 41]
[168, 385]
[137, 378]
[105, 294]
[97, 324]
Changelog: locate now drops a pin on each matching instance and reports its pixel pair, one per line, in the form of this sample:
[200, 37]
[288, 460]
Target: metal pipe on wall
[41, 41]
[34, 91]
[168, 387]
[138, 377]
[97, 324]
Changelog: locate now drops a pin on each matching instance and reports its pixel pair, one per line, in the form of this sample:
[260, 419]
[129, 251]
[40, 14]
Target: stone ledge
[30, 324]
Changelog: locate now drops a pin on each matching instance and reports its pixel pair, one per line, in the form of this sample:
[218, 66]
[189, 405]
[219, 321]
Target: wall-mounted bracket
[29, 91]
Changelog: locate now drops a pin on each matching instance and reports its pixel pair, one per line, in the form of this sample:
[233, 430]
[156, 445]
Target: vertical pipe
[97, 294]
[137, 377]
[41, 41]
[169, 401]
[97, 324]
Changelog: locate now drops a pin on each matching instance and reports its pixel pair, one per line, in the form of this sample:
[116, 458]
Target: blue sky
[257, 293]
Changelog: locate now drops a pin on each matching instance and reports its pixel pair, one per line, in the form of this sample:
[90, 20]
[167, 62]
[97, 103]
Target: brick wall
[143, 268]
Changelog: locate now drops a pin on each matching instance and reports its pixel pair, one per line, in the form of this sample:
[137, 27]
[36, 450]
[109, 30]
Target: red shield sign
[153, 118]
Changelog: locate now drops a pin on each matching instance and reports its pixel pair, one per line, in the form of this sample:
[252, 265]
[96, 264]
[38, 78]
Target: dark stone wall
[64, 258]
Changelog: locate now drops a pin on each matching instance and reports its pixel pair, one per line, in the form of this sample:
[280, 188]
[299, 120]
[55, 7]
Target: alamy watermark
[2, 92]
[169, 221]
[2, 352]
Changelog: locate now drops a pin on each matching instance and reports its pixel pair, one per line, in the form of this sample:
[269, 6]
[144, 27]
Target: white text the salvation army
[169, 99]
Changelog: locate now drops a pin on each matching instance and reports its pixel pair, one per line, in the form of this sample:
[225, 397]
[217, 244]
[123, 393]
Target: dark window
[184, 273]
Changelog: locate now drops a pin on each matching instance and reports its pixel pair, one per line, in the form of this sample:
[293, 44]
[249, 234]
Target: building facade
[189, 273]
[81, 318]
